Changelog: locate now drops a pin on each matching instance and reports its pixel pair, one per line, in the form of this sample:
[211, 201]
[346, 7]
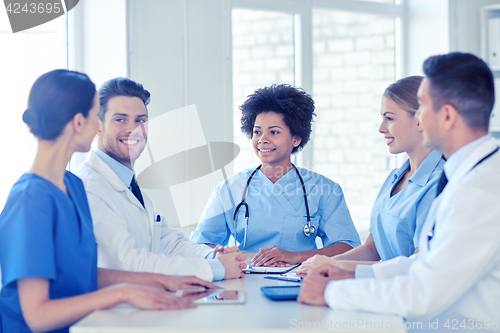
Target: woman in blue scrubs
[288, 207]
[403, 201]
[48, 252]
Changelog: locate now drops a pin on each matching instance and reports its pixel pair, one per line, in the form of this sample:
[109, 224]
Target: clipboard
[268, 270]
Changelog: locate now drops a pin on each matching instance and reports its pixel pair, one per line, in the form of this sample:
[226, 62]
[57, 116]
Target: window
[25, 56]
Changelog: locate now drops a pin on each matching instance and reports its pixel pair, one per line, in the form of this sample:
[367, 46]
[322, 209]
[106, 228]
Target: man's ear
[450, 116]
[101, 129]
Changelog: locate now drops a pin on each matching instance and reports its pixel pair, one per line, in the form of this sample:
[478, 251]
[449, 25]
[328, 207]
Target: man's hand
[274, 257]
[313, 286]
[174, 283]
[219, 249]
[233, 264]
[313, 263]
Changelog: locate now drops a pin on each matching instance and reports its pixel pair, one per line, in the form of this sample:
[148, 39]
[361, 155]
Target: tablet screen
[213, 296]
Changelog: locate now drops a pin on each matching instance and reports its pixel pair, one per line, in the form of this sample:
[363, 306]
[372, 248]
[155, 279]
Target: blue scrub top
[277, 212]
[48, 234]
[396, 221]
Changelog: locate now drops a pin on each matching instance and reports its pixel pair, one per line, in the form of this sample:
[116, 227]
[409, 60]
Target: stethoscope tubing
[308, 229]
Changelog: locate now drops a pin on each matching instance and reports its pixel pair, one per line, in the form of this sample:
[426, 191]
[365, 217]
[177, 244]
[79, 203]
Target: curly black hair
[296, 106]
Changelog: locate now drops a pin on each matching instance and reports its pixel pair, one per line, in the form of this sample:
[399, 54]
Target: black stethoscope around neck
[308, 228]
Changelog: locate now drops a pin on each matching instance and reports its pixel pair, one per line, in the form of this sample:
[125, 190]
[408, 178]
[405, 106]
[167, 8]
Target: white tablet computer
[214, 296]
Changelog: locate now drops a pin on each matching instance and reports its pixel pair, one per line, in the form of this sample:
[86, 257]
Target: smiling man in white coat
[129, 234]
[453, 283]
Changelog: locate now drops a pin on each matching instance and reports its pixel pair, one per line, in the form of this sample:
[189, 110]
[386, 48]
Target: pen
[158, 218]
[284, 278]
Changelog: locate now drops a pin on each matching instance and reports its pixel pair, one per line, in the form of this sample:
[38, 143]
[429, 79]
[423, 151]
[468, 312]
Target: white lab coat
[128, 236]
[455, 275]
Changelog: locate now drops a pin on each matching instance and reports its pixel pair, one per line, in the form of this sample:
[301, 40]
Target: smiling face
[399, 128]
[272, 141]
[123, 135]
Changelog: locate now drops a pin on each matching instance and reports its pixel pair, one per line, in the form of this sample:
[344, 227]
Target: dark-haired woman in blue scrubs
[48, 252]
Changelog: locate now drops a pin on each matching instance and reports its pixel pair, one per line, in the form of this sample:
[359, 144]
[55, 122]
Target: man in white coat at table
[130, 236]
[454, 281]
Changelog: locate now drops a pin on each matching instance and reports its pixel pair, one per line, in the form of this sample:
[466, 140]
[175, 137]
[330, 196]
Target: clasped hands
[232, 260]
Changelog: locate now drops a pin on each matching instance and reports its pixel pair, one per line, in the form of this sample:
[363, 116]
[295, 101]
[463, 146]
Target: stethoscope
[308, 228]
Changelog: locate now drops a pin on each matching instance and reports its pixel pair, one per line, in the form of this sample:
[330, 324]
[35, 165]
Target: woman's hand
[275, 257]
[151, 298]
[313, 263]
[44, 314]
[174, 283]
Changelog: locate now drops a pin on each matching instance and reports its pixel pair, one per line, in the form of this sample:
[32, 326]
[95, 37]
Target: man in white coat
[129, 234]
[454, 281]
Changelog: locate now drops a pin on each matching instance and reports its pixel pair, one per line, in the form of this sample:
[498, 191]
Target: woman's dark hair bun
[33, 119]
[55, 98]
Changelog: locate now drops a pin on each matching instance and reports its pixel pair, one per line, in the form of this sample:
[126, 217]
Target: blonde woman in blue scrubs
[403, 201]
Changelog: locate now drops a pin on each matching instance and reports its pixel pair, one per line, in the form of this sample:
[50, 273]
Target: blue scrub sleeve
[212, 229]
[27, 238]
[336, 223]
[422, 209]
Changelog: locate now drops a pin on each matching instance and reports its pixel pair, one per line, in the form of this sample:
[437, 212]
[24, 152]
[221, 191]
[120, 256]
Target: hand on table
[174, 283]
[312, 263]
[313, 286]
[219, 249]
[151, 298]
[274, 257]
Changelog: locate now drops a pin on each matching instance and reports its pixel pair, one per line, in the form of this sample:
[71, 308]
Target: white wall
[465, 30]
[428, 31]
[177, 51]
[99, 39]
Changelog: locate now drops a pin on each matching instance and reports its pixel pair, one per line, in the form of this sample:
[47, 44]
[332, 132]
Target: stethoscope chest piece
[309, 229]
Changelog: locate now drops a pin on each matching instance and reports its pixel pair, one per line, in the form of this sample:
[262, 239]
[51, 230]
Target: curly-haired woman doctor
[288, 207]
